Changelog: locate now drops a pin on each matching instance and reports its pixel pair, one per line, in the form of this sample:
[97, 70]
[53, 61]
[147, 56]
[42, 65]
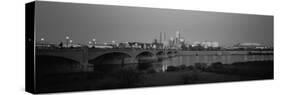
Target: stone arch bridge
[83, 55]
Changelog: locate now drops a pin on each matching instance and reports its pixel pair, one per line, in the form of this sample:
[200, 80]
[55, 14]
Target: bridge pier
[88, 67]
[130, 60]
[84, 61]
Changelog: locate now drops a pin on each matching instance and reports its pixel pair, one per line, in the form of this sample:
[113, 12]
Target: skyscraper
[164, 36]
[160, 40]
[178, 35]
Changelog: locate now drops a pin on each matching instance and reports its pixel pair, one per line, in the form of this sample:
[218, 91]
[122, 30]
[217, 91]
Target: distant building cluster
[176, 42]
[250, 46]
[206, 44]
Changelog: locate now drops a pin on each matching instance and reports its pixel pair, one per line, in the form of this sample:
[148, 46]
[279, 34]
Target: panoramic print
[96, 47]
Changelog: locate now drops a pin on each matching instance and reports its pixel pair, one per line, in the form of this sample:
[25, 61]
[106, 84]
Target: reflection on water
[191, 60]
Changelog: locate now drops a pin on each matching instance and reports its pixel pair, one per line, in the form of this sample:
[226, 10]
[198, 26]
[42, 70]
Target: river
[191, 60]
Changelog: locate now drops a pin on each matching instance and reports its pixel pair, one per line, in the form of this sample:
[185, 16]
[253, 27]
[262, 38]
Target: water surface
[191, 60]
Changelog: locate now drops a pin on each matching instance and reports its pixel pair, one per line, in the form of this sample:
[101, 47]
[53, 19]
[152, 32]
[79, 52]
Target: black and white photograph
[79, 47]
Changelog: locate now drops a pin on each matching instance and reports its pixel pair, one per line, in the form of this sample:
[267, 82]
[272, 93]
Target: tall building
[160, 40]
[171, 42]
[164, 36]
[178, 34]
[155, 41]
[164, 41]
[177, 40]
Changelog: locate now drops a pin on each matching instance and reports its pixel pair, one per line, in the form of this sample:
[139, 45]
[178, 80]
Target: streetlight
[114, 44]
[67, 40]
[42, 41]
[90, 44]
[94, 41]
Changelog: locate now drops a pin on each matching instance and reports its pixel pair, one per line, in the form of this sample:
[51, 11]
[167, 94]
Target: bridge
[88, 57]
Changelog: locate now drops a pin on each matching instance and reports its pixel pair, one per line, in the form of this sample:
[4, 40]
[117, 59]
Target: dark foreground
[131, 78]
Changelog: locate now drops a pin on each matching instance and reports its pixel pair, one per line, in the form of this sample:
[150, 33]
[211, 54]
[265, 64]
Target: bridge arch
[96, 54]
[109, 61]
[144, 54]
[160, 53]
[169, 52]
[110, 55]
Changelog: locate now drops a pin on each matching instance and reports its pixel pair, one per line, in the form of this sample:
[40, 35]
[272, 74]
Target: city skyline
[122, 24]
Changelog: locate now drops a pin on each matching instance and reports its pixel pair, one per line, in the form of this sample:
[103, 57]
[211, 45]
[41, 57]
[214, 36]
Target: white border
[12, 47]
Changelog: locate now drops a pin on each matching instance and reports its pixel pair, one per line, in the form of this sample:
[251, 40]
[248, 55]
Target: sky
[83, 22]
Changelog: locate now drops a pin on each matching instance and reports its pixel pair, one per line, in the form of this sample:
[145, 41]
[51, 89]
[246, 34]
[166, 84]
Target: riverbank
[184, 53]
[215, 72]
[174, 75]
[188, 77]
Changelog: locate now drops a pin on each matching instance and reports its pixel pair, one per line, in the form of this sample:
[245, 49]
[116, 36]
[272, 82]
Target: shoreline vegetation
[144, 76]
[218, 53]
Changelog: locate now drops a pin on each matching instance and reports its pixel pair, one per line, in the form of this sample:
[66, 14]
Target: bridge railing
[102, 49]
